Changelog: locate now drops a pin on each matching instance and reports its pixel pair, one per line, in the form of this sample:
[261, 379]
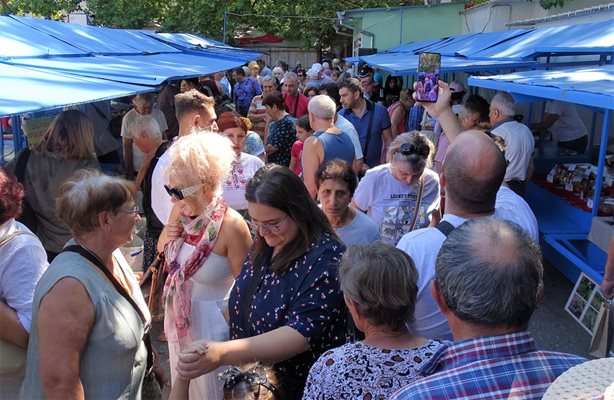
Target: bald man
[472, 175]
[327, 142]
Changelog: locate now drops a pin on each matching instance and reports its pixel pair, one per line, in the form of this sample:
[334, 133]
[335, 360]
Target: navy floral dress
[306, 298]
[282, 134]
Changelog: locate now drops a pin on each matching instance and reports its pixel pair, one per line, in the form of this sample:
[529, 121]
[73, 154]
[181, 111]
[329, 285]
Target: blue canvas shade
[415, 46]
[589, 38]
[407, 64]
[468, 45]
[29, 90]
[195, 44]
[18, 40]
[96, 40]
[592, 87]
[149, 70]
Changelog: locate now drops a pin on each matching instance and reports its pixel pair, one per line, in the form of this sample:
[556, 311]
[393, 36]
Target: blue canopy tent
[591, 38]
[406, 64]
[195, 44]
[563, 226]
[152, 69]
[79, 60]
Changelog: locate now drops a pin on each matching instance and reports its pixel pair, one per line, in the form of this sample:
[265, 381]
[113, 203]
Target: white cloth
[346, 126]
[511, 207]
[128, 132]
[391, 203]
[234, 186]
[519, 146]
[424, 244]
[160, 200]
[22, 262]
[211, 286]
[569, 125]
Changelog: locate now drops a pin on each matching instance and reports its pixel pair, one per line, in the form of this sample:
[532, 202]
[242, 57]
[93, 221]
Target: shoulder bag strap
[20, 165]
[445, 227]
[7, 238]
[418, 204]
[370, 107]
[94, 260]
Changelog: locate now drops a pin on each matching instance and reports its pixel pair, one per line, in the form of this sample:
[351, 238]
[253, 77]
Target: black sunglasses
[408, 149]
[181, 194]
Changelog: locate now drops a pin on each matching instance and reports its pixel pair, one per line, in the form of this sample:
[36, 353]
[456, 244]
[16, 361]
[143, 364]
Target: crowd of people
[309, 248]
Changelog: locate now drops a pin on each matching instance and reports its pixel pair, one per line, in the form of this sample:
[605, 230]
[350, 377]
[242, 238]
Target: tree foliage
[548, 4]
[310, 22]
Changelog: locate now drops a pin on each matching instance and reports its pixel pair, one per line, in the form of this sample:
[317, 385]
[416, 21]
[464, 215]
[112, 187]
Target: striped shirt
[494, 367]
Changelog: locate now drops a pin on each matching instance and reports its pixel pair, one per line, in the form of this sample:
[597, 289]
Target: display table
[602, 230]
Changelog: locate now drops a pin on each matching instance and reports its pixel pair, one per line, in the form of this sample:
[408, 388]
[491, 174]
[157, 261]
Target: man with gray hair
[143, 105]
[295, 101]
[488, 283]
[327, 142]
[519, 142]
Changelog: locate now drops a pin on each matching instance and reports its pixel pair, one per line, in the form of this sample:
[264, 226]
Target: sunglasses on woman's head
[181, 194]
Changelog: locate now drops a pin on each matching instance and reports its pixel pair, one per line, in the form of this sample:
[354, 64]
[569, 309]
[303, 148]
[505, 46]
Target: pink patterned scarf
[178, 287]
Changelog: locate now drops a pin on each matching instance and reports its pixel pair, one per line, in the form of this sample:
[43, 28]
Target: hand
[267, 118]
[174, 231]
[607, 288]
[442, 103]
[197, 360]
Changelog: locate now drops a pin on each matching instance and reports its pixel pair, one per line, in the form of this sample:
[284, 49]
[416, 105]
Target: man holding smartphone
[370, 119]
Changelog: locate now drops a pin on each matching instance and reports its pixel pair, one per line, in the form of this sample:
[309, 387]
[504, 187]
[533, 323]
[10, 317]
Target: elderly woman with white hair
[205, 249]
[379, 284]
[403, 194]
[143, 105]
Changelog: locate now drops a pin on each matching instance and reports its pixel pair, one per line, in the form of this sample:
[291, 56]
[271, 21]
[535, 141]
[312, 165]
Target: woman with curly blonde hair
[205, 247]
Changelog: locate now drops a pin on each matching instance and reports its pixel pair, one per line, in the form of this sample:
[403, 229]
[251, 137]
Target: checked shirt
[495, 367]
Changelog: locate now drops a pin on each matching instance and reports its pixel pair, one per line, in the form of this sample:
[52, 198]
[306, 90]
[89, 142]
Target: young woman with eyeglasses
[286, 307]
[403, 194]
[205, 248]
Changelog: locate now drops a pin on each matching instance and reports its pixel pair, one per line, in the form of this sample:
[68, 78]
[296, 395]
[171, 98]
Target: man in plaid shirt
[488, 282]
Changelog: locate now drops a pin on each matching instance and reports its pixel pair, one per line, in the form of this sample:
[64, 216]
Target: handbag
[28, 216]
[151, 389]
[156, 274]
[603, 333]
[12, 357]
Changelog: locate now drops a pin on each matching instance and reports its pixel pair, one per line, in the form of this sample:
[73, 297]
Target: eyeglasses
[135, 210]
[181, 194]
[256, 227]
[408, 149]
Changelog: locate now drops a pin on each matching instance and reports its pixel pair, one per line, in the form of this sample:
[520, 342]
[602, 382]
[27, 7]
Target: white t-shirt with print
[392, 203]
[234, 186]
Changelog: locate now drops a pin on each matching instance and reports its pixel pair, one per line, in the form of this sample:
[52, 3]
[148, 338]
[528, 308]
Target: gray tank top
[113, 362]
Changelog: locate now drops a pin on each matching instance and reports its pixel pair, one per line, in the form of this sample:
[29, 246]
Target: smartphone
[428, 77]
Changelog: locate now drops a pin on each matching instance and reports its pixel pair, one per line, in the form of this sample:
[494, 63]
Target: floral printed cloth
[202, 230]
[358, 371]
[306, 298]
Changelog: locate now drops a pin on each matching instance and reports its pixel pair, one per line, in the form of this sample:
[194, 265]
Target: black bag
[28, 216]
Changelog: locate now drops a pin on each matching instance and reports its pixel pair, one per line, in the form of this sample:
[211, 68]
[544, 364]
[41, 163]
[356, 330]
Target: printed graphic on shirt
[398, 217]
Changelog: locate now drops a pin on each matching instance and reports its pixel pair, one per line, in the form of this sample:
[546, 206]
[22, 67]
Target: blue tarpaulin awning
[195, 44]
[596, 37]
[468, 45]
[152, 69]
[94, 39]
[31, 89]
[589, 86]
[407, 64]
